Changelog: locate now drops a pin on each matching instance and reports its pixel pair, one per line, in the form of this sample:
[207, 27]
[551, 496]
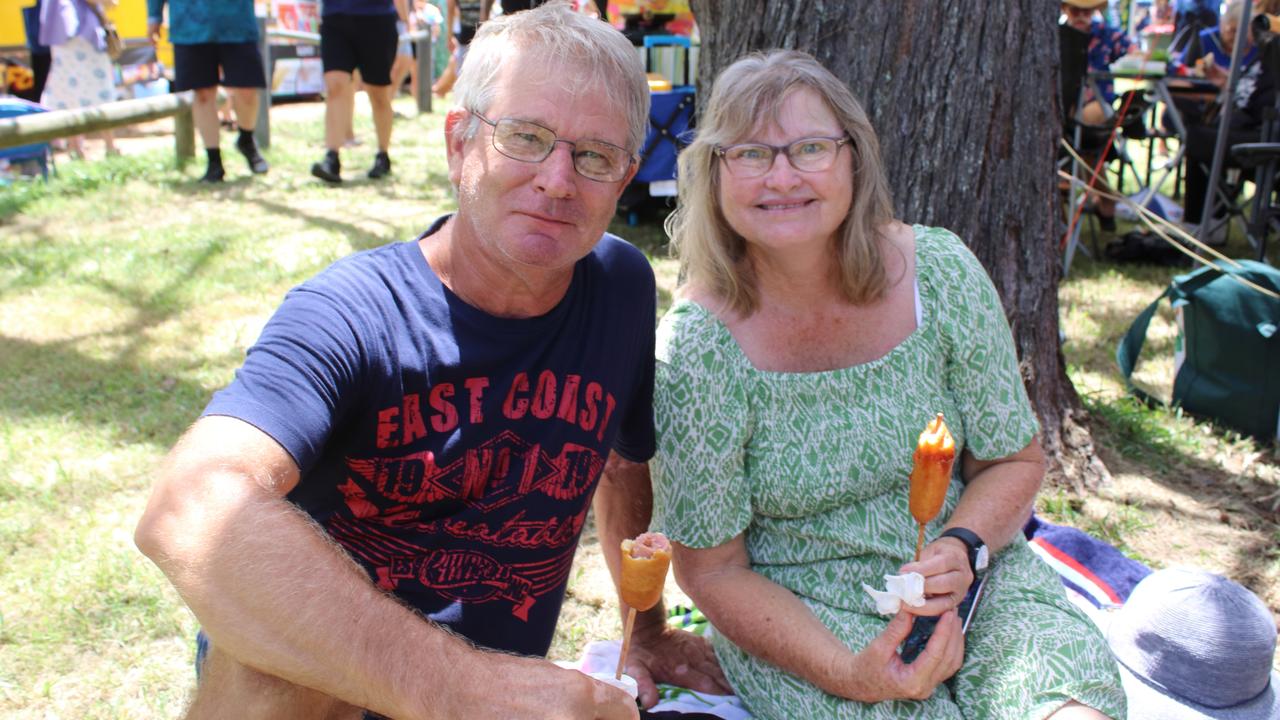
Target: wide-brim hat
[1085, 4]
[1196, 646]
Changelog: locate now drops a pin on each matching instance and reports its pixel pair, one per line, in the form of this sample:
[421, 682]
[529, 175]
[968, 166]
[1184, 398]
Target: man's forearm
[275, 594]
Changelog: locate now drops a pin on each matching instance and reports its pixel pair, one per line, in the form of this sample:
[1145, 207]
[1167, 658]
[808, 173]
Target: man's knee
[206, 95]
[379, 95]
[337, 82]
[228, 688]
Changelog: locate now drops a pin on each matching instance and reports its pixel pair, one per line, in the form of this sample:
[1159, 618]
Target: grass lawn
[128, 294]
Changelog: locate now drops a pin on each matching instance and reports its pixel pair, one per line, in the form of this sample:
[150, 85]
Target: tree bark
[964, 98]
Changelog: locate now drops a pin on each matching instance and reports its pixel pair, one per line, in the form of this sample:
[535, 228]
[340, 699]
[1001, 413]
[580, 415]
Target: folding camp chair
[670, 117]
[36, 152]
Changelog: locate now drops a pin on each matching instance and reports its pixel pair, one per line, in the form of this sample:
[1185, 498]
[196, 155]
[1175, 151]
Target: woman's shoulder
[690, 331]
[938, 248]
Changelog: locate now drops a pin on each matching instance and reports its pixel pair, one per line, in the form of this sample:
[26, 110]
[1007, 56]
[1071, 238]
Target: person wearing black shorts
[357, 35]
[215, 42]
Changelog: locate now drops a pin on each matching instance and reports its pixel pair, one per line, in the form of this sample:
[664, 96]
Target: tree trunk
[963, 96]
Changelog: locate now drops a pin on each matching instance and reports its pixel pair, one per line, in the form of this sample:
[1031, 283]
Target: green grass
[129, 293]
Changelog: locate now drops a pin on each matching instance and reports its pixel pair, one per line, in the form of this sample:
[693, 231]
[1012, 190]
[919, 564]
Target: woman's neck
[796, 277]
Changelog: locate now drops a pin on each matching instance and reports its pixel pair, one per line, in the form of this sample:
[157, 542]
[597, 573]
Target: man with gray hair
[393, 486]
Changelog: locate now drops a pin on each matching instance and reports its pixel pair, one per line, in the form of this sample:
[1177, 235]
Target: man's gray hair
[585, 54]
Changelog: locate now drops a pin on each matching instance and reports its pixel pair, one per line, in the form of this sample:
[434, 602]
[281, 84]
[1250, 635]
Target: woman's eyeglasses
[530, 142]
[813, 154]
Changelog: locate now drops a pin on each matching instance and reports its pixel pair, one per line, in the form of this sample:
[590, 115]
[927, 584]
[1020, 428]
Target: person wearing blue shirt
[1106, 45]
[1203, 13]
[215, 42]
[380, 512]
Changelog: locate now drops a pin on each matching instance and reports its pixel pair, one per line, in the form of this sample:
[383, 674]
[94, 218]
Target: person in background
[463, 18]
[1106, 45]
[1254, 96]
[381, 510]
[80, 73]
[812, 339]
[40, 55]
[215, 42]
[1209, 56]
[1195, 14]
[404, 67]
[358, 35]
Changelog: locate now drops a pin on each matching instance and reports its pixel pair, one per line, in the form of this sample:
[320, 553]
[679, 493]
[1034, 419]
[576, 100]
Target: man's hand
[673, 656]
[153, 32]
[534, 689]
[881, 675]
[944, 563]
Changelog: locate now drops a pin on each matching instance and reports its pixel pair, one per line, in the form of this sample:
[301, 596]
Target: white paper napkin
[899, 589]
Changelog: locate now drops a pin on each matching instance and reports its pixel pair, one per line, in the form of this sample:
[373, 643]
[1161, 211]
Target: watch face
[980, 561]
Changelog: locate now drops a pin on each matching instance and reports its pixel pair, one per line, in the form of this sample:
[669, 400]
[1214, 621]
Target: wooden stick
[626, 642]
[919, 543]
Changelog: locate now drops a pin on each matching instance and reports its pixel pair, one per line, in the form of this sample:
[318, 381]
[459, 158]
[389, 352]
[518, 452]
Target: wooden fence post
[184, 136]
[262, 130]
[425, 70]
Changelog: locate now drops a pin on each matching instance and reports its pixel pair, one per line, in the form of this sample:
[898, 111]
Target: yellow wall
[130, 17]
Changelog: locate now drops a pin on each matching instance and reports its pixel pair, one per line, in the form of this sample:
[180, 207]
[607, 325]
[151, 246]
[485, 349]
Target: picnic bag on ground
[1227, 356]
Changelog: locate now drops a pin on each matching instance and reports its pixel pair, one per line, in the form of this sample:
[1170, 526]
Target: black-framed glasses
[813, 154]
[530, 142]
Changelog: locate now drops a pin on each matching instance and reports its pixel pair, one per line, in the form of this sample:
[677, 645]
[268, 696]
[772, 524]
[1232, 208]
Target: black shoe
[213, 174]
[249, 149]
[329, 169]
[381, 166]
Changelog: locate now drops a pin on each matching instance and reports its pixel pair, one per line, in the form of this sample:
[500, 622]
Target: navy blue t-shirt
[454, 454]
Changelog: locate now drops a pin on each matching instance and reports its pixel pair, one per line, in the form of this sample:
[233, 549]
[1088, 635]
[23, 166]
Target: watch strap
[971, 541]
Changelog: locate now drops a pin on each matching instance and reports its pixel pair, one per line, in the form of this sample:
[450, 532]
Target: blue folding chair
[37, 152]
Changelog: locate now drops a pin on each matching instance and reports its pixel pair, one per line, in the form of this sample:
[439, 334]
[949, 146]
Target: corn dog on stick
[935, 453]
[644, 571]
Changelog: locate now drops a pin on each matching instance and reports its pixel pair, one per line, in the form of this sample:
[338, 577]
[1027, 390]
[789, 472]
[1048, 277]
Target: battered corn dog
[935, 454]
[644, 569]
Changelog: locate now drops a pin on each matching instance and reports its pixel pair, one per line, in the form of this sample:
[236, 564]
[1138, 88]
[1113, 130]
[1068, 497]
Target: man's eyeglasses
[813, 154]
[530, 142]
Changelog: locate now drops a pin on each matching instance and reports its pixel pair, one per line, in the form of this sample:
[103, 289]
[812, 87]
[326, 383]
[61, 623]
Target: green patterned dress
[813, 468]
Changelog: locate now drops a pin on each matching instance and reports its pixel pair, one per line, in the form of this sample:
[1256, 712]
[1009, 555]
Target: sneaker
[381, 166]
[249, 149]
[329, 169]
[213, 174]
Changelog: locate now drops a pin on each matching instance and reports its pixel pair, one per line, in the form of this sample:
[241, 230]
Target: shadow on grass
[1144, 436]
[138, 399]
[358, 237]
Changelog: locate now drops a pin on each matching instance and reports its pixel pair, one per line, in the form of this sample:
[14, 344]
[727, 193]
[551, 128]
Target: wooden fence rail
[42, 127]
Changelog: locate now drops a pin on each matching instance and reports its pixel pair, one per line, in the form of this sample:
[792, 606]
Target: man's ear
[454, 126]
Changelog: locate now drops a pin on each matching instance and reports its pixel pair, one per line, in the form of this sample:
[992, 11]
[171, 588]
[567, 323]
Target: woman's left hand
[944, 563]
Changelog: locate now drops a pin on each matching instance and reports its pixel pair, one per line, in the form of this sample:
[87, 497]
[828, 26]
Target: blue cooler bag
[1229, 342]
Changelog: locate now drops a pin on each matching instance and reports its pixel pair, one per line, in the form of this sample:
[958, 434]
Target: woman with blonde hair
[813, 339]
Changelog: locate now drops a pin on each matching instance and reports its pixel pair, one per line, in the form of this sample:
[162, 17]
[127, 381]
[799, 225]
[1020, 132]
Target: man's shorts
[196, 66]
[363, 42]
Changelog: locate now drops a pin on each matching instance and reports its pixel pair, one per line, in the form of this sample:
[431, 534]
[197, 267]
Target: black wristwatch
[978, 555]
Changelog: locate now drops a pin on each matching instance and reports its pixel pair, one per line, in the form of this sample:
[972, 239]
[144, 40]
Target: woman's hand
[879, 673]
[677, 657]
[944, 563]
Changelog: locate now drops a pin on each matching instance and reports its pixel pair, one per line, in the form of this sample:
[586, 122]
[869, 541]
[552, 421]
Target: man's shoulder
[364, 265]
[620, 258]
